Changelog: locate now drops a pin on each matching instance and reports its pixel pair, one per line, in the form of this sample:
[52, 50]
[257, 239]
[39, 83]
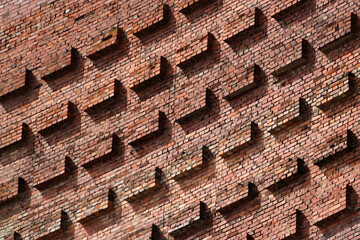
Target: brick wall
[188, 119]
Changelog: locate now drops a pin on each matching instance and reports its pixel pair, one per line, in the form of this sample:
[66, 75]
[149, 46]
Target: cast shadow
[18, 150]
[307, 9]
[205, 62]
[252, 37]
[300, 71]
[208, 8]
[23, 96]
[18, 204]
[107, 110]
[205, 118]
[65, 183]
[161, 32]
[150, 145]
[109, 164]
[75, 74]
[106, 219]
[247, 98]
[64, 131]
[112, 57]
[157, 87]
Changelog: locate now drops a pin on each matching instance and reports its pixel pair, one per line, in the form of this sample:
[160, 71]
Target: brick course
[186, 119]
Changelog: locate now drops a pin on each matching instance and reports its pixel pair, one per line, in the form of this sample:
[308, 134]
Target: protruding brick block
[59, 64]
[52, 225]
[295, 226]
[337, 146]
[249, 81]
[106, 44]
[56, 117]
[14, 136]
[283, 8]
[12, 189]
[190, 53]
[342, 206]
[187, 6]
[230, 202]
[241, 25]
[153, 20]
[187, 163]
[149, 74]
[290, 56]
[104, 96]
[284, 172]
[198, 217]
[89, 208]
[337, 32]
[47, 174]
[336, 90]
[193, 108]
[144, 131]
[17, 81]
[288, 113]
[100, 151]
[238, 139]
[143, 186]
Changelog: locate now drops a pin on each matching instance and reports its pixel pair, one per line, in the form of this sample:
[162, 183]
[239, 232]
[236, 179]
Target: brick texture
[181, 119]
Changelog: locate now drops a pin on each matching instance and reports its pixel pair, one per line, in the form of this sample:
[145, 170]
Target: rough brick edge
[58, 69]
[297, 227]
[249, 24]
[205, 105]
[251, 81]
[287, 7]
[297, 112]
[110, 95]
[337, 90]
[198, 160]
[247, 138]
[161, 67]
[350, 23]
[248, 193]
[19, 137]
[68, 113]
[159, 18]
[156, 130]
[343, 208]
[62, 224]
[47, 180]
[109, 148]
[22, 83]
[203, 217]
[109, 43]
[12, 190]
[301, 57]
[342, 146]
[144, 190]
[292, 175]
[105, 206]
[196, 50]
[188, 6]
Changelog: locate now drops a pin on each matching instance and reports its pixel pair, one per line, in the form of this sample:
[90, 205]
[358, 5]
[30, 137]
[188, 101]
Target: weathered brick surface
[206, 119]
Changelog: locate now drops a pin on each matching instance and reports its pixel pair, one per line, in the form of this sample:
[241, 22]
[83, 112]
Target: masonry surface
[184, 119]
